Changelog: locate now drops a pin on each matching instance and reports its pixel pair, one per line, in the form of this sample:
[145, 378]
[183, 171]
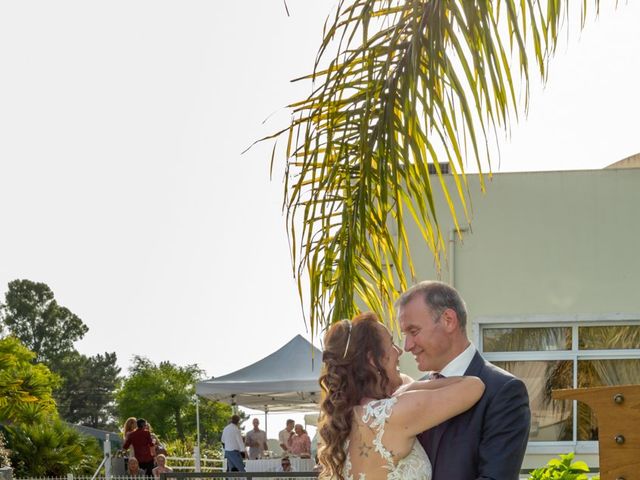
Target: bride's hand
[427, 384]
[406, 382]
[425, 404]
[406, 379]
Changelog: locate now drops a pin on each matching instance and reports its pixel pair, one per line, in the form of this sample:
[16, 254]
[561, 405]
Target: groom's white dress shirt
[459, 365]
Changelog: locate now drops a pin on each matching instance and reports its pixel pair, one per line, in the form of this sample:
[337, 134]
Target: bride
[369, 419]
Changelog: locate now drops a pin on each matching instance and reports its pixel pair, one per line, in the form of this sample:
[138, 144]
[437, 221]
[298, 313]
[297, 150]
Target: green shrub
[51, 449]
[184, 449]
[562, 469]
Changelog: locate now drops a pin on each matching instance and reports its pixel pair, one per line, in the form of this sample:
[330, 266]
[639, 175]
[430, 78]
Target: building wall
[547, 244]
[556, 242]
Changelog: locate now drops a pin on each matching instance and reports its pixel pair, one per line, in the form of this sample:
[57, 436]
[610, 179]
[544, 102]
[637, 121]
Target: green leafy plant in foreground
[184, 449]
[562, 469]
[51, 449]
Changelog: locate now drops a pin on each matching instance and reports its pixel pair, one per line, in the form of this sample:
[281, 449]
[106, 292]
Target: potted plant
[563, 468]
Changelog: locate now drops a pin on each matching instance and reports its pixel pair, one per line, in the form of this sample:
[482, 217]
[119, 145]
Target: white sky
[121, 181]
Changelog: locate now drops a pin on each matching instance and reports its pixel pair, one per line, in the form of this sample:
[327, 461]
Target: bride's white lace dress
[415, 466]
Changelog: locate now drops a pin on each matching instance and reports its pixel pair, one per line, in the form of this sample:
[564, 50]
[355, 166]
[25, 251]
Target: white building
[551, 276]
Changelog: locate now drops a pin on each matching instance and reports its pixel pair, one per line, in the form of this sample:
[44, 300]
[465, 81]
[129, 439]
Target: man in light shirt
[233, 445]
[256, 440]
[488, 440]
[285, 434]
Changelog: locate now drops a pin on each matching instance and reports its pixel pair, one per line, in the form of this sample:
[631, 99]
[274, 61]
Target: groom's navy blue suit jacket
[489, 440]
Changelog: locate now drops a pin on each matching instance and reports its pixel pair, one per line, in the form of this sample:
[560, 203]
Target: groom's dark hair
[438, 296]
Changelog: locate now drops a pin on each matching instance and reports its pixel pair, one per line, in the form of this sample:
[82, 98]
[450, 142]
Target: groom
[489, 440]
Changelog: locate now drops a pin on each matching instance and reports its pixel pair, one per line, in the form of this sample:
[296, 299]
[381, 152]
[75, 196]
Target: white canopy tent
[311, 419]
[286, 380]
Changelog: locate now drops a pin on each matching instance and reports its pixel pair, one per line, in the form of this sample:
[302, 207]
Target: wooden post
[618, 412]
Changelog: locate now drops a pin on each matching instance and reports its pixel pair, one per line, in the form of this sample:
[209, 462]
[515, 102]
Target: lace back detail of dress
[415, 466]
[375, 415]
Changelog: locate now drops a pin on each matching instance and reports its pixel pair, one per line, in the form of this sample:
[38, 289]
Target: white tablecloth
[272, 464]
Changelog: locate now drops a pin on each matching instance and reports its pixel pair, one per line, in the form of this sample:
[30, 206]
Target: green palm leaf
[411, 85]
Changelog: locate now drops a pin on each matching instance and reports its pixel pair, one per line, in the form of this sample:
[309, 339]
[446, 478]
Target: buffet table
[272, 464]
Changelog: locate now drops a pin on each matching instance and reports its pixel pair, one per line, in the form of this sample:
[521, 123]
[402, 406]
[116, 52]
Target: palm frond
[412, 85]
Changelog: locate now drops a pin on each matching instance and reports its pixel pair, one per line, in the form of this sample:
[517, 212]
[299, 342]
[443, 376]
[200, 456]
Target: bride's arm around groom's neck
[425, 384]
[425, 404]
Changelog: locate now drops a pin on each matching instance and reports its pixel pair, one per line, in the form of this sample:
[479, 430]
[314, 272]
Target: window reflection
[600, 373]
[526, 339]
[609, 337]
[610, 348]
[551, 420]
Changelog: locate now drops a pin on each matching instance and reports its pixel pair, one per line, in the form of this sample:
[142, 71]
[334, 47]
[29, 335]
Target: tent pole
[266, 431]
[197, 449]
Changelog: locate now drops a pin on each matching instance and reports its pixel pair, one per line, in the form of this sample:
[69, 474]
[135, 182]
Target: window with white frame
[551, 355]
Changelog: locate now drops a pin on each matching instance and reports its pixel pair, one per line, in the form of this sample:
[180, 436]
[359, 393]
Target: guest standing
[300, 443]
[285, 434]
[256, 440]
[141, 441]
[233, 445]
[128, 427]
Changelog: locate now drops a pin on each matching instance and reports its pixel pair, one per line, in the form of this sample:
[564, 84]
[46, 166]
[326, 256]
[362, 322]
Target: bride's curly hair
[351, 371]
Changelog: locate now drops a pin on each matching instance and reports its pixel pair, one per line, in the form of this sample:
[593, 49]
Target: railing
[206, 464]
[210, 471]
[524, 474]
[221, 474]
[247, 475]
[78, 477]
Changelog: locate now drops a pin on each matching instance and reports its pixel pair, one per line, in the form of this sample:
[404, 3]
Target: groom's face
[426, 337]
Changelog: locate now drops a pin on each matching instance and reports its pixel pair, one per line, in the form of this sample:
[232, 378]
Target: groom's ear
[450, 320]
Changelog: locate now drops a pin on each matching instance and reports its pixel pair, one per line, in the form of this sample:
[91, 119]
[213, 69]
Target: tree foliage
[87, 393]
[163, 394]
[51, 449]
[39, 443]
[25, 388]
[86, 390]
[32, 314]
[400, 88]
[214, 416]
